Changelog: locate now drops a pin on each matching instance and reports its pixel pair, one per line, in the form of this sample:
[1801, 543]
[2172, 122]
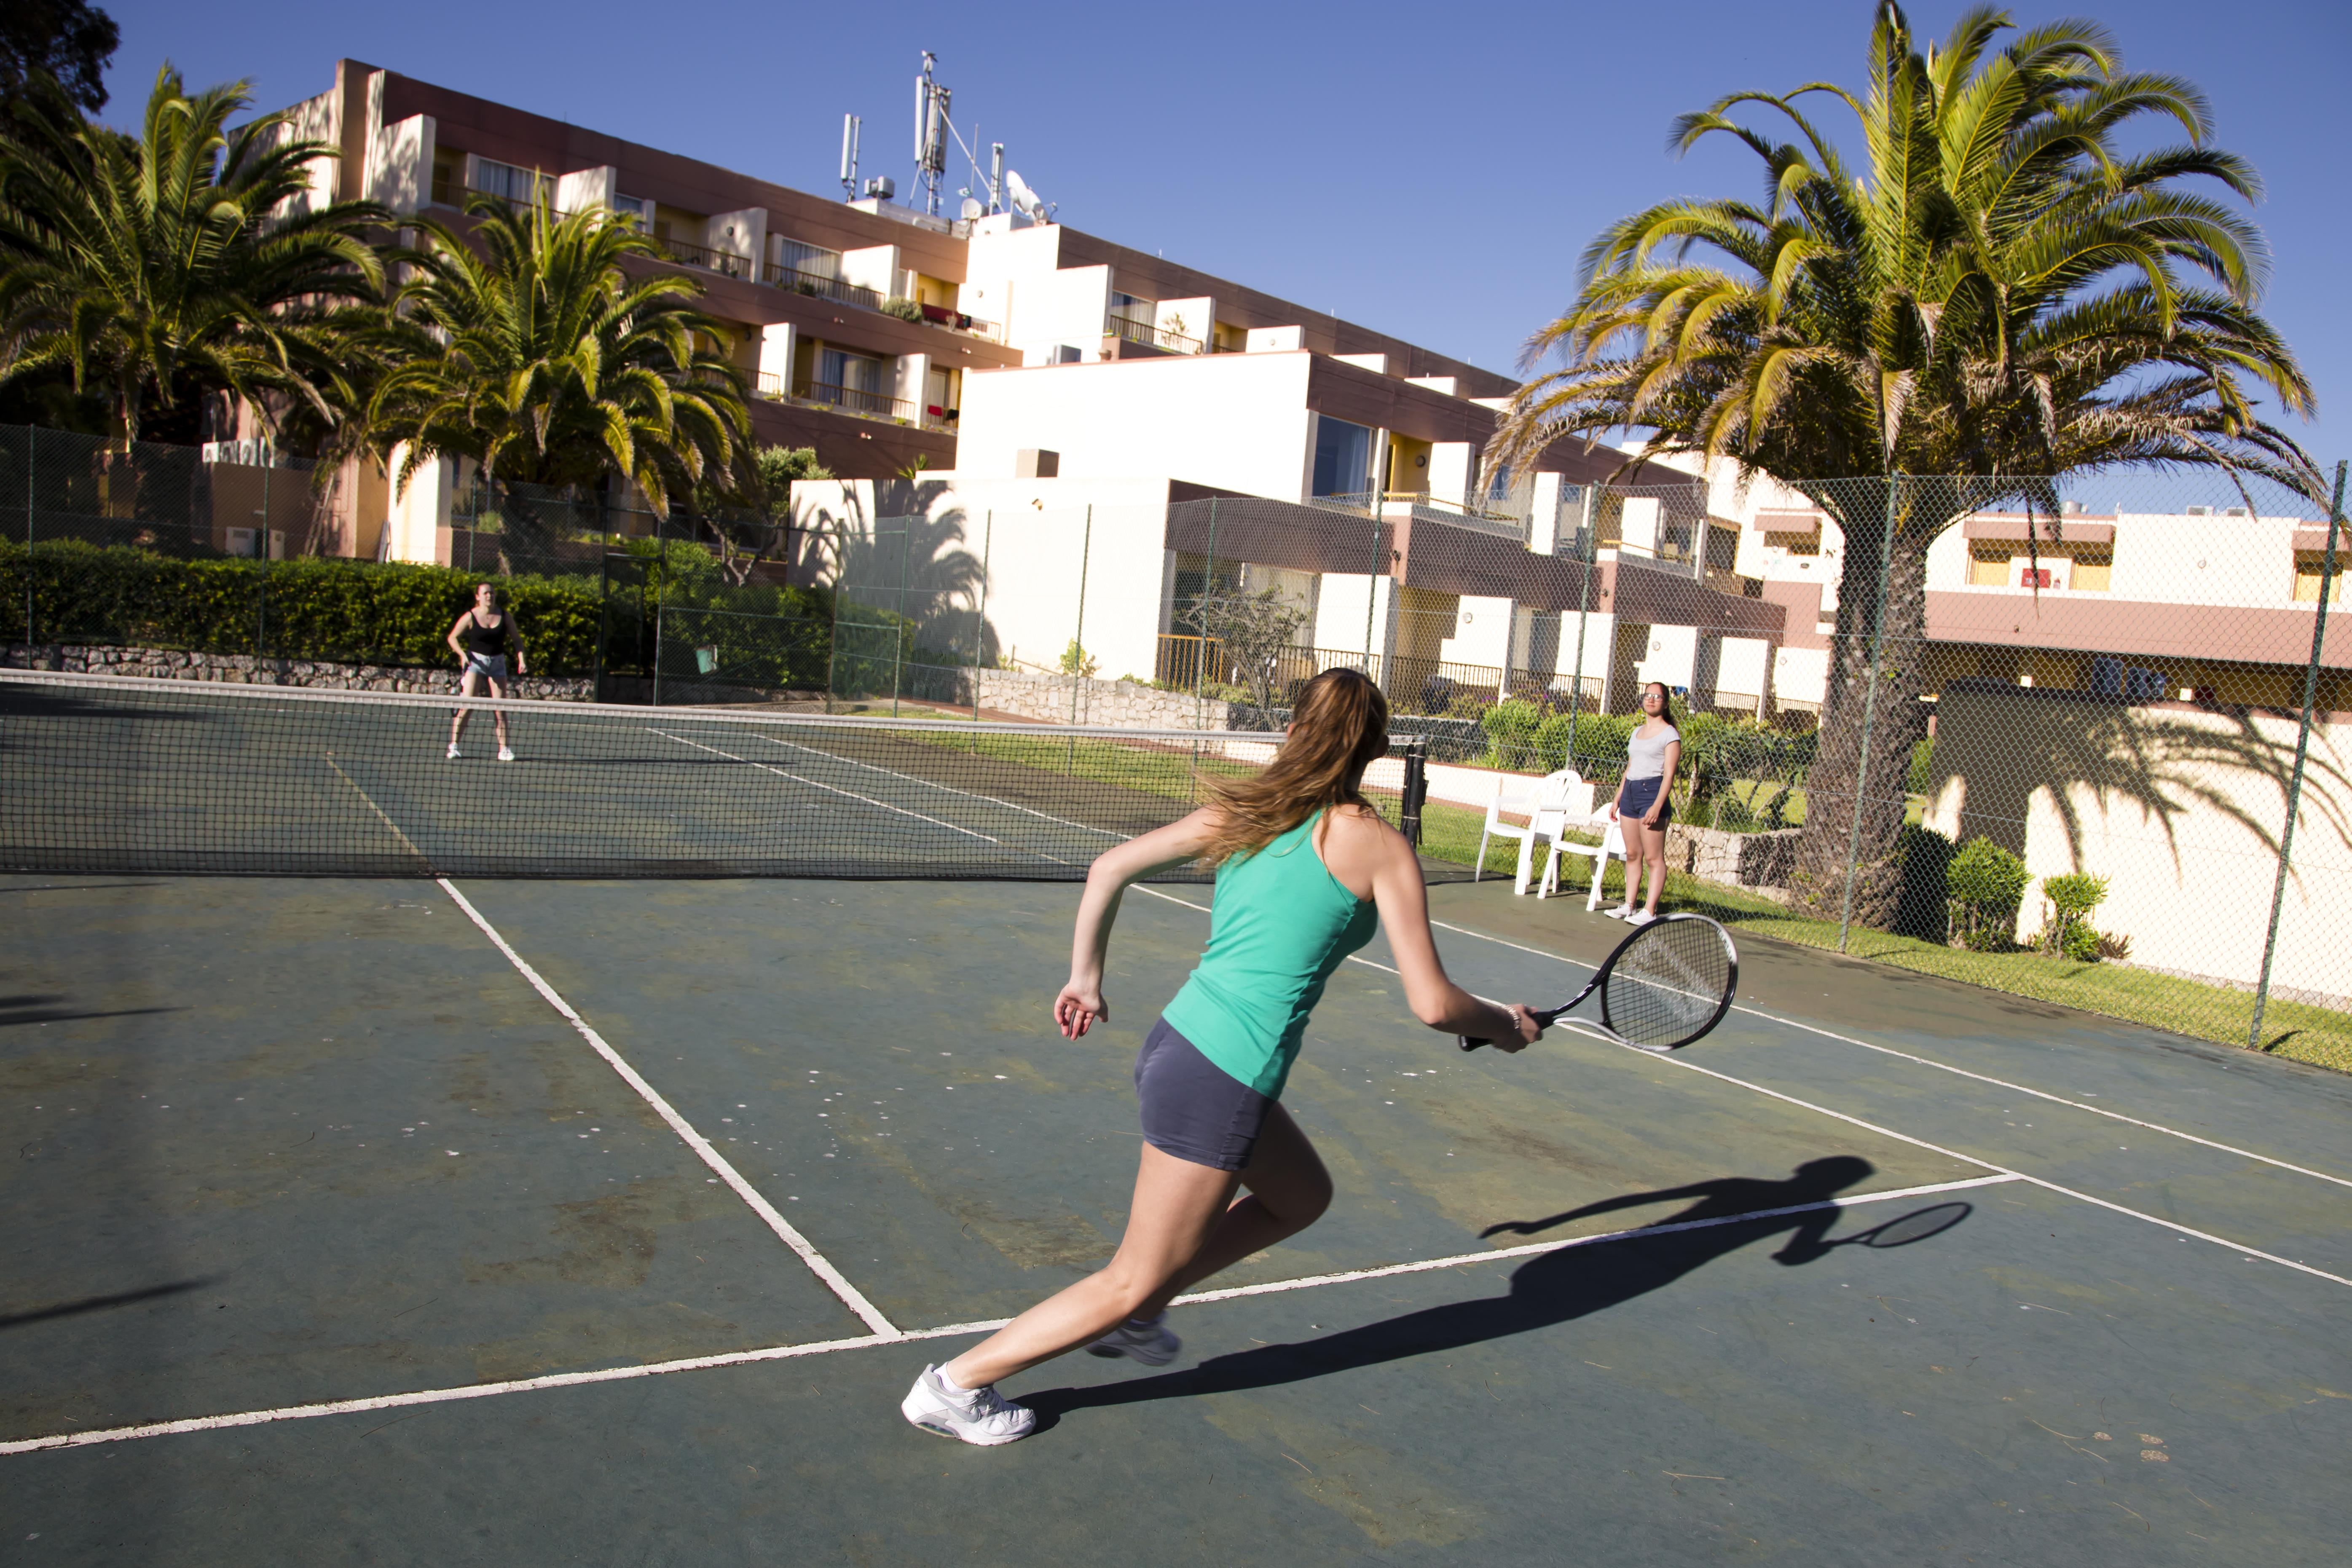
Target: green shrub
[1923, 766]
[331, 610]
[2066, 930]
[905, 310]
[1983, 884]
[1923, 904]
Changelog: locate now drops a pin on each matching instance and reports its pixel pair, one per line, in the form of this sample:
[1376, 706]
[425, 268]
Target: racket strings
[1669, 984]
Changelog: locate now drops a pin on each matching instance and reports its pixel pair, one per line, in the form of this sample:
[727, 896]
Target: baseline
[906, 1336]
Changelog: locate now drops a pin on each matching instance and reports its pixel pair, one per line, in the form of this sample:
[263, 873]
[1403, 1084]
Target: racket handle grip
[1469, 1044]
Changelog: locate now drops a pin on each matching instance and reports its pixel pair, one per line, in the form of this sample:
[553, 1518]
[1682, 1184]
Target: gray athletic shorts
[1193, 1108]
[492, 665]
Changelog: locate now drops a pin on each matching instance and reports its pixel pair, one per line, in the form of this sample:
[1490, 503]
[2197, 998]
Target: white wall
[586, 188]
[417, 528]
[1451, 467]
[875, 267]
[1066, 307]
[777, 344]
[741, 234]
[400, 164]
[1800, 675]
[1340, 618]
[1672, 657]
[1236, 421]
[1482, 632]
[1746, 664]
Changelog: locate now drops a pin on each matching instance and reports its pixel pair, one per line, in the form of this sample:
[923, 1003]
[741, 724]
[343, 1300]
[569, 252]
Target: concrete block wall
[244, 669]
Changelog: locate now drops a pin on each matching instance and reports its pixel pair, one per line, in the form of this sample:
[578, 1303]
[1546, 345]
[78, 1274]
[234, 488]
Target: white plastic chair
[1612, 842]
[1549, 804]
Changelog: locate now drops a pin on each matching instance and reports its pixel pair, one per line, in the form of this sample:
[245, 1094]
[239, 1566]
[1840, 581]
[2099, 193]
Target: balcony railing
[726, 263]
[811, 394]
[1149, 336]
[821, 287]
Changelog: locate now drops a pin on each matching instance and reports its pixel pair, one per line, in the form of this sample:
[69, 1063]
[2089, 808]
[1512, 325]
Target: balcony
[819, 285]
[857, 401]
[1491, 518]
[725, 263]
[1149, 336]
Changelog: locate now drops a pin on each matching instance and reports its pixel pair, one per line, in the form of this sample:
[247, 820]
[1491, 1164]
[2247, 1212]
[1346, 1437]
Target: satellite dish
[1025, 200]
[971, 208]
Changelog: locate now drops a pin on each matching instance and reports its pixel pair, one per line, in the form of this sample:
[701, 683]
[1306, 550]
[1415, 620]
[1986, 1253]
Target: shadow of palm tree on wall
[909, 558]
[1550, 1289]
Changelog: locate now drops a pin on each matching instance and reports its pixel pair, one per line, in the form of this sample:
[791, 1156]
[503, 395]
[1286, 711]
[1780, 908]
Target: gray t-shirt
[1645, 756]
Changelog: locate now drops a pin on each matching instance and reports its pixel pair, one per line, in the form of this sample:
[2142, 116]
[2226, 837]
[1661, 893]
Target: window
[630, 207]
[1807, 543]
[813, 259]
[2308, 566]
[1343, 457]
[1498, 487]
[507, 181]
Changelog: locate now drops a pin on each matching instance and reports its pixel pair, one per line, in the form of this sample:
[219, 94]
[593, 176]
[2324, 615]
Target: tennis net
[112, 774]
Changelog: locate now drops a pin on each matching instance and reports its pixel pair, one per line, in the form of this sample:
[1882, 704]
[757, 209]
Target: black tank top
[480, 638]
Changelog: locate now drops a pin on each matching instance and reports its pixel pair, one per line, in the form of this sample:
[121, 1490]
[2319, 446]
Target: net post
[1869, 705]
[1086, 554]
[1417, 789]
[2302, 753]
[32, 457]
[899, 632]
[261, 553]
[1201, 650]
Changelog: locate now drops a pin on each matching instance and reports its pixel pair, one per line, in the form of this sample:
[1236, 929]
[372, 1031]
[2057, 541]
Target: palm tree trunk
[1833, 841]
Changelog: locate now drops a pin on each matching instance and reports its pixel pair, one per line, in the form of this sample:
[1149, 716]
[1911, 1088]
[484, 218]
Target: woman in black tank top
[481, 638]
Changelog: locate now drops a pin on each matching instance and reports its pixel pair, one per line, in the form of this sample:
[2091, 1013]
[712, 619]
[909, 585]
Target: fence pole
[1086, 552]
[1586, 551]
[1200, 659]
[2301, 751]
[1869, 705]
[261, 553]
[899, 632]
[32, 451]
[980, 625]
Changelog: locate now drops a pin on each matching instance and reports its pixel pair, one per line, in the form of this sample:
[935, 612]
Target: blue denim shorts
[1639, 796]
[1194, 1108]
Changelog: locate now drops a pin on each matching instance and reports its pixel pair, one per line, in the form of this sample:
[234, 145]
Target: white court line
[1680, 1061]
[847, 794]
[896, 1337]
[818, 1265]
[1944, 1067]
[948, 789]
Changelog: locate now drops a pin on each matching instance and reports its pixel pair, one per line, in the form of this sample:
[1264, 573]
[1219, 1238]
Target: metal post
[660, 616]
[1869, 706]
[980, 623]
[899, 632]
[1085, 551]
[2301, 751]
[1200, 654]
[261, 553]
[32, 447]
[1586, 550]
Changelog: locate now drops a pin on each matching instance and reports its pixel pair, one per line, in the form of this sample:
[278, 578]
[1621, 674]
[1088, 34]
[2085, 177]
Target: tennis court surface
[464, 1217]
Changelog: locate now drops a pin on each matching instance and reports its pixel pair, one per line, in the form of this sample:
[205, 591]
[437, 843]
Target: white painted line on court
[1944, 1067]
[951, 789]
[1534, 1248]
[847, 794]
[382, 814]
[894, 1336]
[818, 1265]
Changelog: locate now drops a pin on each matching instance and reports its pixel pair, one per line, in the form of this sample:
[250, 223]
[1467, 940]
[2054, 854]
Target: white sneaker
[1146, 1340]
[983, 1416]
[1640, 917]
[506, 753]
[1620, 913]
[453, 751]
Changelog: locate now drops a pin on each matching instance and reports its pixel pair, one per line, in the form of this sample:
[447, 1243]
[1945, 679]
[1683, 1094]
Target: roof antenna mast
[931, 134]
[849, 128]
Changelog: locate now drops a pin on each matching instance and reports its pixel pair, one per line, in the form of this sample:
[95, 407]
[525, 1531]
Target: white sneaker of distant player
[506, 753]
[454, 753]
[981, 1416]
[1146, 1340]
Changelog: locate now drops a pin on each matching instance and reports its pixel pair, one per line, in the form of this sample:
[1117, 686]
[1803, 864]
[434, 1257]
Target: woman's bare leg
[498, 716]
[1288, 1190]
[457, 719]
[1653, 856]
[1178, 1206]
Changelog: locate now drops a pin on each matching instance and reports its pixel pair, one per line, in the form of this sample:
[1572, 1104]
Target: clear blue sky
[1429, 170]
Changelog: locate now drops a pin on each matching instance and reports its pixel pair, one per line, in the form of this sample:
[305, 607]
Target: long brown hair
[1338, 724]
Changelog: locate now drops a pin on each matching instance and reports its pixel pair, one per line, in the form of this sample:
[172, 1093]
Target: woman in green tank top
[1306, 872]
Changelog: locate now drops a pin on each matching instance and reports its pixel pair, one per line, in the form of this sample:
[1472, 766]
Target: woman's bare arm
[1079, 1005]
[1665, 782]
[1360, 850]
[456, 626]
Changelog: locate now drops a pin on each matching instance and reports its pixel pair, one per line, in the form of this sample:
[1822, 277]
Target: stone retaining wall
[1122, 704]
[244, 669]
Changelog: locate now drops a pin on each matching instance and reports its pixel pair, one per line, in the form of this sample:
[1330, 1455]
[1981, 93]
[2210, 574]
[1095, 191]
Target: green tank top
[1280, 924]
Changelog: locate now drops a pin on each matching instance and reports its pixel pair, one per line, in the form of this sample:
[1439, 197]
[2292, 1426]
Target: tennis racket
[1667, 984]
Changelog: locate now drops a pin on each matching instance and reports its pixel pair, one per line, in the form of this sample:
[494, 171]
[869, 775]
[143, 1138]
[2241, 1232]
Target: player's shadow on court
[1549, 1288]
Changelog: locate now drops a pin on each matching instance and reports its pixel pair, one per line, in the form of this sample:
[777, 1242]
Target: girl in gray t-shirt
[1643, 806]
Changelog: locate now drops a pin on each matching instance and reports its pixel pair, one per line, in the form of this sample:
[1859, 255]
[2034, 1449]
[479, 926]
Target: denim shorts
[1194, 1108]
[490, 666]
[1639, 796]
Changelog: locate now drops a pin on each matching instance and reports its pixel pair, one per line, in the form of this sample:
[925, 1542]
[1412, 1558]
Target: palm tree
[1997, 295]
[190, 260]
[533, 351]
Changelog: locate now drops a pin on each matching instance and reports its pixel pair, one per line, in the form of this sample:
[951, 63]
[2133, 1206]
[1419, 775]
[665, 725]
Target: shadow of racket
[1917, 1225]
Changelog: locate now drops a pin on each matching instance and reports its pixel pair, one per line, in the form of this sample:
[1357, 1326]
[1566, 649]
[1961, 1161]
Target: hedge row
[336, 611]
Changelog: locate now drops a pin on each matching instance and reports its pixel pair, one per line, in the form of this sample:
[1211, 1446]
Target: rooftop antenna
[931, 134]
[996, 177]
[849, 127]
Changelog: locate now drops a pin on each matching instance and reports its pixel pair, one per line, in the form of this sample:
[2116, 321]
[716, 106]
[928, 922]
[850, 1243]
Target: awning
[1787, 523]
[2315, 540]
[2046, 529]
